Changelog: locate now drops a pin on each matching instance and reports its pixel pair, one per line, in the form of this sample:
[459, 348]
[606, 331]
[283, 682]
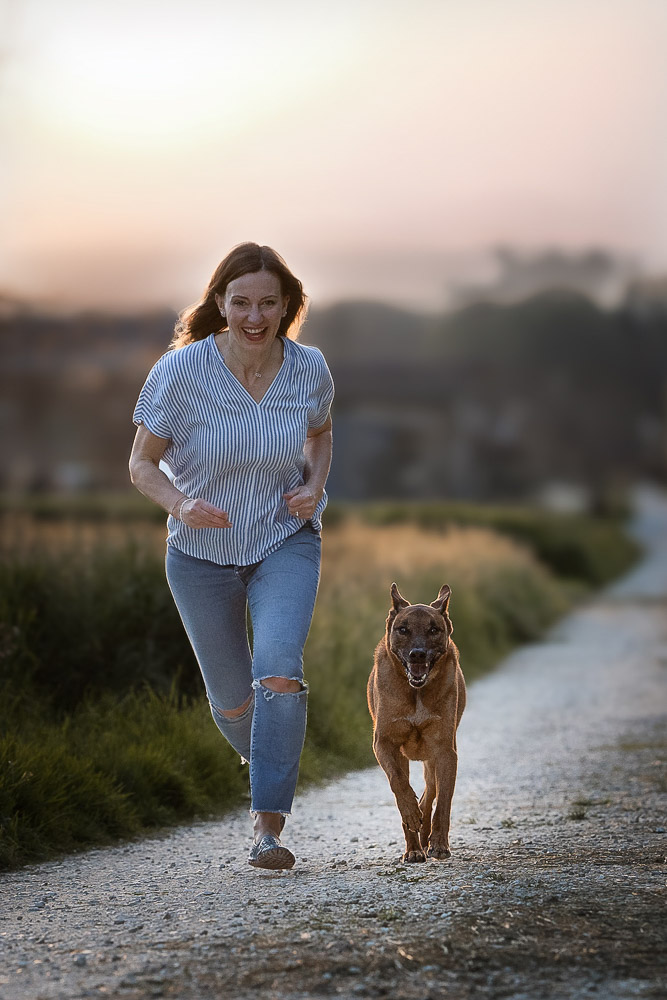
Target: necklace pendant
[258, 374]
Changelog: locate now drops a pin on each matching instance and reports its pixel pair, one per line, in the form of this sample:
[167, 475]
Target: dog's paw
[423, 839]
[412, 817]
[413, 857]
[438, 853]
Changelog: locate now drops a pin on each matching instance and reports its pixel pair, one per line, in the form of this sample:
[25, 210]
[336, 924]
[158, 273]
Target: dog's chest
[419, 716]
[411, 731]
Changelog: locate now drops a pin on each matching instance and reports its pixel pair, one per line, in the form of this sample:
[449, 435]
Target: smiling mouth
[254, 331]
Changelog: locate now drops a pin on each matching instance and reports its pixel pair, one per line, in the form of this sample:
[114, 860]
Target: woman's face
[254, 307]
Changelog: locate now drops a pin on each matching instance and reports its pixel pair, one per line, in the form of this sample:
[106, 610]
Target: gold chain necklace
[256, 374]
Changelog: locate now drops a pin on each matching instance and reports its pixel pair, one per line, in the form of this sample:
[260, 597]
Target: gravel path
[555, 888]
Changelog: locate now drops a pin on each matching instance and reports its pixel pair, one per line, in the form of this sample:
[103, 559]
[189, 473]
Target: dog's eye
[402, 629]
[434, 630]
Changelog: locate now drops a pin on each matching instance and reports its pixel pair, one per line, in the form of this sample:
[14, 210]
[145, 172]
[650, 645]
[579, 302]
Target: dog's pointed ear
[441, 602]
[398, 601]
[397, 604]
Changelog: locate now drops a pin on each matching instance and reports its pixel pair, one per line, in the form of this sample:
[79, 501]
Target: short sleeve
[153, 405]
[322, 397]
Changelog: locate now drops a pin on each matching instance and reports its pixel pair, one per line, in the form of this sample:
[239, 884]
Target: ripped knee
[282, 685]
[233, 713]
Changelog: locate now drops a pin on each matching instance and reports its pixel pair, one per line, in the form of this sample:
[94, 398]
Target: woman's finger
[301, 496]
[204, 505]
[196, 513]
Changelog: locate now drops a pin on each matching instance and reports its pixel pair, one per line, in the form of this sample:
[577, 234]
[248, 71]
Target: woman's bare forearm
[318, 450]
[150, 480]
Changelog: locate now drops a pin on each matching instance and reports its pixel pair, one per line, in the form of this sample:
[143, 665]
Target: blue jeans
[280, 594]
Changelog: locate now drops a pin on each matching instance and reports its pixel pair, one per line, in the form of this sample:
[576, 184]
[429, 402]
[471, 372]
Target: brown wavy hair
[203, 317]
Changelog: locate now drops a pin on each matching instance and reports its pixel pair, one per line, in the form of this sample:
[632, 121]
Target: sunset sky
[382, 146]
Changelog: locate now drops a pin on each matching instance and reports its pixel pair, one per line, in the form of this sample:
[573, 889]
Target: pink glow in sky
[380, 145]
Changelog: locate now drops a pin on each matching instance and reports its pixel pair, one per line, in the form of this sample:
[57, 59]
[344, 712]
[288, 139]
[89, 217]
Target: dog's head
[418, 634]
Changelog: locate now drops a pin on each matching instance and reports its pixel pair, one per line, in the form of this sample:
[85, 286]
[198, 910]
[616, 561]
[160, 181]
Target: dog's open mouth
[417, 680]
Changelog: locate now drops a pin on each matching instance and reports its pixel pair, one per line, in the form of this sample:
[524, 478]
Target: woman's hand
[302, 501]
[202, 514]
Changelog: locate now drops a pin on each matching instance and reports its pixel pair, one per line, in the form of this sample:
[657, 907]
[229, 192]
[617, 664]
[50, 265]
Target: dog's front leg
[445, 779]
[397, 769]
[414, 853]
[426, 803]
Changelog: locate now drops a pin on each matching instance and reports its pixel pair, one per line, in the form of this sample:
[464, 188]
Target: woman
[240, 413]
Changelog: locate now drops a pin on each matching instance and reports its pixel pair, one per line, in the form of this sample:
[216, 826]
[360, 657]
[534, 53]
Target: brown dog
[416, 697]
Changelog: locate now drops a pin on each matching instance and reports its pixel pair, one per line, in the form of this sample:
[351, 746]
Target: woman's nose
[255, 313]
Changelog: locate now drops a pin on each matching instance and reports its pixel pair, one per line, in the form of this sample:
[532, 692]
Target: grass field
[104, 732]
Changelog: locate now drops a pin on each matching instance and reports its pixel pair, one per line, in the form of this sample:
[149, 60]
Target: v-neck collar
[237, 385]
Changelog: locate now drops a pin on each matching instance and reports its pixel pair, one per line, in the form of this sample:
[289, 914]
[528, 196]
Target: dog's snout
[417, 655]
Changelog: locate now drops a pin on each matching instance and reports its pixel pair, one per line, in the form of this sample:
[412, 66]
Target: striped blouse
[236, 453]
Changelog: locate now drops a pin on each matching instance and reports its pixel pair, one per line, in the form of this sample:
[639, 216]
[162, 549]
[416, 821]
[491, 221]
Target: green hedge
[74, 626]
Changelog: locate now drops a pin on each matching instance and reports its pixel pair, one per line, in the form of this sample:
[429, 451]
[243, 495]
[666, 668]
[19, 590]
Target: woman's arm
[146, 474]
[317, 449]
[302, 501]
[150, 480]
